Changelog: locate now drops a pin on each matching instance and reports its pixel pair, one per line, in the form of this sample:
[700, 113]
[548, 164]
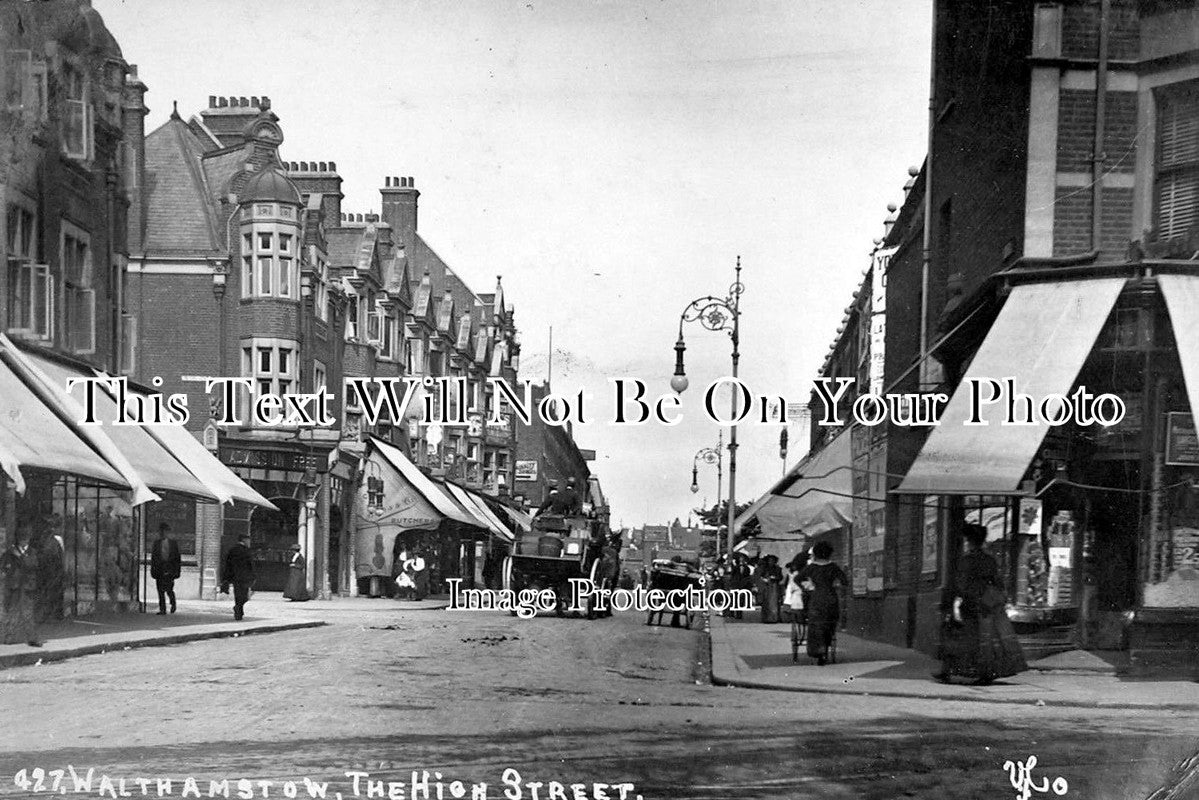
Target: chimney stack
[400, 207]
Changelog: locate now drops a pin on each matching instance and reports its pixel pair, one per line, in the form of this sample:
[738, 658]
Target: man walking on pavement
[239, 571]
[165, 566]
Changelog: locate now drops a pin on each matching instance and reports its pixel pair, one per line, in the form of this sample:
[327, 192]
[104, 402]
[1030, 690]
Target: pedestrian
[420, 577]
[18, 592]
[238, 572]
[740, 577]
[770, 581]
[825, 582]
[793, 596]
[166, 563]
[977, 640]
[297, 576]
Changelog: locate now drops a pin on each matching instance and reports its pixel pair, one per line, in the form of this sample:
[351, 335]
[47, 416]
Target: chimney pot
[244, 102]
[254, 102]
[324, 167]
[332, 167]
[304, 166]
[266, 103]
[387, 182]
[133, 70]
[411, 182]
[220, 102]
[211, 99]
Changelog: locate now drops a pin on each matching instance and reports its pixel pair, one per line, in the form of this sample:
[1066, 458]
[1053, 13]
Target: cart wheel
[594, 577]
[506, 573]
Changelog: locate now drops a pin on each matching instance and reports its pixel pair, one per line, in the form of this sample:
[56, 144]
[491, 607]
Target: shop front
[1093, 525]
[399, 515]
[78, 494]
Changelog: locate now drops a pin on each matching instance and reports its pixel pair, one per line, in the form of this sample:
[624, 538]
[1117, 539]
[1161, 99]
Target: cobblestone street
[469, 694]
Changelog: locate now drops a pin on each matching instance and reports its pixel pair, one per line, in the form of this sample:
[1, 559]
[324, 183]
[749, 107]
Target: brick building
[245, 265]
[1050, 237]
[71, 172]
[547, 456]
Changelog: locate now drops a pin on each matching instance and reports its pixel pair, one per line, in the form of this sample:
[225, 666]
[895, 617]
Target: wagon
[554, 551]
[667, 575]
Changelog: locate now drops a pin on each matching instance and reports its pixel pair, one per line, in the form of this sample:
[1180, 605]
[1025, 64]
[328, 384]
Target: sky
[611, 160]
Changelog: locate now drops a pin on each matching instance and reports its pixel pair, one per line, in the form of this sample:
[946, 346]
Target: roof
[179, 214]
[270, 186]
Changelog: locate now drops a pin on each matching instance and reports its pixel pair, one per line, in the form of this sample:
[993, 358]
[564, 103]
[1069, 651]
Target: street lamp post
[717, 314]
[710, 455]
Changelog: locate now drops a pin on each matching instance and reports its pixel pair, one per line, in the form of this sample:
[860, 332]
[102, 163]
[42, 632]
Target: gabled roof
[180, 217]
[355, 248]
[465, 323]
[445, 314]
[422, 304]
[395, 278]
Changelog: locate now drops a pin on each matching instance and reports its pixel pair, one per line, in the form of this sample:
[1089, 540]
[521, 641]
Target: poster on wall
[930, 540]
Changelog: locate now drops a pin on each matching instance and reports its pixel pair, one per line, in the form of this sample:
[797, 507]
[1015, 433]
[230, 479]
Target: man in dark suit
[239, 571]
[165, 566]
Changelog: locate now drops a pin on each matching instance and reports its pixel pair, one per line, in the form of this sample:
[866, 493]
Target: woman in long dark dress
[297, 576]
[825, 582]
[977, 640]
[18, 589]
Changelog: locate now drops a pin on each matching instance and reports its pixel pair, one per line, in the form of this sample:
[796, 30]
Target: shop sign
[1182, 442]
[526, 470]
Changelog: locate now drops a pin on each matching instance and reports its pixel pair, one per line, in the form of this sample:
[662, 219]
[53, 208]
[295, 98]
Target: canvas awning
[219, 479]
[816, 495]
[155, 464]
[1182, 301]
[475, 507]
[1041, 338]
[520, 519]
[33, 436]
[53, 394]
[435, 495]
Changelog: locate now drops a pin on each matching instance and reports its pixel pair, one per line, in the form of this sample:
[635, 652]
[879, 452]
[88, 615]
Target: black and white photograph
[599, 399]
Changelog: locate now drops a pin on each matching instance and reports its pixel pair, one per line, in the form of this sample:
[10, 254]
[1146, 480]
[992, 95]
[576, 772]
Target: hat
[241, 536]
[295, 547]
[570, 481]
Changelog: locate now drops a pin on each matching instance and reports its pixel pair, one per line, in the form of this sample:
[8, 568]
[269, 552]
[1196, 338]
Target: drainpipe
[1097, 155]
[926, 255]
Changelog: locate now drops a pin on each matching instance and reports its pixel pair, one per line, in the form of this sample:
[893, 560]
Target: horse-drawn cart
[554, 551]
[669, 575]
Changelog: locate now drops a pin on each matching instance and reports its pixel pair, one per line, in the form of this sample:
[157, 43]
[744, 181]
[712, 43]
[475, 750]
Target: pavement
[749, 654]
[194, 620]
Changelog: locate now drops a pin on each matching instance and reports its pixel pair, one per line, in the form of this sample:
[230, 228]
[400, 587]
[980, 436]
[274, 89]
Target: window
[272, 364]
[128, 344]
[1177, 162]
[79, 319]
[320, 289]
[320, 379]
[77, 127]
[30, 285]
[25, 84]
[352, 318]
[268, 261]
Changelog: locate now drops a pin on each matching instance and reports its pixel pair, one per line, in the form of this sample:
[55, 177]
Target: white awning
[816, 495]
[430, 491]
[475, 508]
[53, 394]
[154, 463]
[1040, 339]
[33, 436]
[1182, 301]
